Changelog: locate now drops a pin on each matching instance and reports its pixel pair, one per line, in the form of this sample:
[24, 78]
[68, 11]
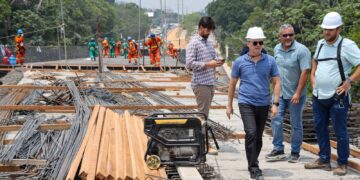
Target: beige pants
[204, 95]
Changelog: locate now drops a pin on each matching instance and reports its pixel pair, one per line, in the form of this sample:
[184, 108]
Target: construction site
[67, 116]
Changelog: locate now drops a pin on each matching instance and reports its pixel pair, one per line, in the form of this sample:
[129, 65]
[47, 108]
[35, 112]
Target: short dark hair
[207, 22]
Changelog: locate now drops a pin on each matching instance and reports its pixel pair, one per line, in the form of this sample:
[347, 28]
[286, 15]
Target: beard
[205, 36]
[330, 38]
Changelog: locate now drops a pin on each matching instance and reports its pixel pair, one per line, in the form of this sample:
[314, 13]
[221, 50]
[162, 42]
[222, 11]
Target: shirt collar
[248, 58]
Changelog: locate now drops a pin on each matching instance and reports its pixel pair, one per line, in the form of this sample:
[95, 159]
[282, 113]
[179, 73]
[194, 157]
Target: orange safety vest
[154, 45]
[132, 47]
[105, 43]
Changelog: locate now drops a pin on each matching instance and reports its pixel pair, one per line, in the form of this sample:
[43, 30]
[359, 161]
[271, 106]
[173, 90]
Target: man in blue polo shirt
[255, 70]
[330, 92]
[293, 60]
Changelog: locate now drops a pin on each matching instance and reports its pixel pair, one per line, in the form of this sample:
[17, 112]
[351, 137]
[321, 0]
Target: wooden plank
[315, 149]
[139, 160]
[123, 107]
[120, 149]
[111, 161]
[79, 155]
[127, 158]
[189, 173]
[90, 168]
[42, 127]
[35, 162]
[131, 155]
[138, 80]
[239, 135]
[131, 89]
[10, 168]
[101, 168]
[354, 152]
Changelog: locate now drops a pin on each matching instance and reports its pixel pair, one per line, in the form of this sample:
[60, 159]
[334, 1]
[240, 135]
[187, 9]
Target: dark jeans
[254, 119]
[324, 109]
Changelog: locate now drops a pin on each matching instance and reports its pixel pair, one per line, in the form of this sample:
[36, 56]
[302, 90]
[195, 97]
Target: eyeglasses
[255, 43]
[287, 35]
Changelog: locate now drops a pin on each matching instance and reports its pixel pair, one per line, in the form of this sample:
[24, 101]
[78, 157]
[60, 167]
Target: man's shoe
[257, 174]
[212, 151]
[318, 165]
[341, 170]
[275, 156]
[294, 157]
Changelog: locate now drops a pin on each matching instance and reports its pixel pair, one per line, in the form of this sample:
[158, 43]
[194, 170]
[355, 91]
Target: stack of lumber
[113, 148]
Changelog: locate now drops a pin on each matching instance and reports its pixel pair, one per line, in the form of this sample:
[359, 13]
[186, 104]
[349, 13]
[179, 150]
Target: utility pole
[178, 8]
[63, 28]
[99, 46]
[139, 35]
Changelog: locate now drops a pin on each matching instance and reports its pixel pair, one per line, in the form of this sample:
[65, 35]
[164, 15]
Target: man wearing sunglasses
[255, 69]
[334, 55]
[294, 61]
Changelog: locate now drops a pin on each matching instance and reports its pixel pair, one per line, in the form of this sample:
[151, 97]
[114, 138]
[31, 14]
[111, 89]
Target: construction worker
[171, 51]
[133, 53]
[154, 43]
[20, 49]
[125, 48]
[106, 47]
[118, 49]
[332, 64]
[93, 49]
[112, 47]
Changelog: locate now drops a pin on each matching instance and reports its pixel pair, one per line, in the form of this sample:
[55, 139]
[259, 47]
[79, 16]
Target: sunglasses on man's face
[287, 35]
[255, 43]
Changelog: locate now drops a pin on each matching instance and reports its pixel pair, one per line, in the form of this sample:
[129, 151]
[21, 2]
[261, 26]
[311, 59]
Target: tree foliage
[305, 15]
[190, 22]
[41, 20]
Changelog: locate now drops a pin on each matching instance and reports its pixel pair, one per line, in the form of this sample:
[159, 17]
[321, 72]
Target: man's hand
[295, 98]
[274, 111]
[214, 63]
[344, 88]
[229, 111]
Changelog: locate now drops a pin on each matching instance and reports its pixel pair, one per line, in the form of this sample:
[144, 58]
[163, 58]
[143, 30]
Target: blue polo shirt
[255, 78]
[327, 75]
[290, 64]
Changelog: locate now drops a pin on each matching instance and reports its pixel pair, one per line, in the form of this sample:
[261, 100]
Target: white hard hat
[255, 33]
[331, 20]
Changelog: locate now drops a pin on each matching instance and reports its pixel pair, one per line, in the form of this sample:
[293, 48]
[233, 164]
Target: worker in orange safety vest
[133, 50]
[106, 48]
[154, 43]
[19, 47]
[171, 51]
[118, 49]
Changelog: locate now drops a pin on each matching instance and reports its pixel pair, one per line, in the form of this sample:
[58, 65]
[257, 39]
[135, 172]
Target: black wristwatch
[349, 80]
[276, 103]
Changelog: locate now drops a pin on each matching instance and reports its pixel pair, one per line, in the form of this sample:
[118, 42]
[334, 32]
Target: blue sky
[189, 5]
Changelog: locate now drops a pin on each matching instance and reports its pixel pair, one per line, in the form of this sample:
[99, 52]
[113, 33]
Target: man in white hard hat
[333, 60]
[294, 62]
[255, 69]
